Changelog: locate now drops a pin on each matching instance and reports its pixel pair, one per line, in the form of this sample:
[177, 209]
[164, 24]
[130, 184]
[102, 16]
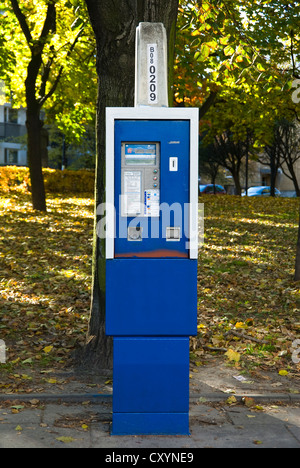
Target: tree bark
[34, 127]
[237, 183]
[34, 132]
[114, 25]
[207, 104]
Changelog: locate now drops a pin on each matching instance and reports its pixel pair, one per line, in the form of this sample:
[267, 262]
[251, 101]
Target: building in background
[12, 136]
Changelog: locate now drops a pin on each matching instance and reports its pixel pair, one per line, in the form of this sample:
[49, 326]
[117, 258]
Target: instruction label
[132, 193]
[151, 202]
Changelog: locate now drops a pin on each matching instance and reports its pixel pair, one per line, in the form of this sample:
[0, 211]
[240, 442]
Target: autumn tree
[114, 25]
[288, 140]
[253, 47]
[41, 37]
[275, 24]
[207, 164]
[282, 152]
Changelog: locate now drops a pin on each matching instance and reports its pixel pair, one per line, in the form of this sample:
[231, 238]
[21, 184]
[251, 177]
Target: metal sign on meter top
[151, 74]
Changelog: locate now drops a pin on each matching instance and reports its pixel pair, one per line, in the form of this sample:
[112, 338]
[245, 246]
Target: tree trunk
[273, 166]
[295, 182]
[114, 25]
[34, 134]
[237, 183]
[34, 131]
[291, 174]
[207, 104]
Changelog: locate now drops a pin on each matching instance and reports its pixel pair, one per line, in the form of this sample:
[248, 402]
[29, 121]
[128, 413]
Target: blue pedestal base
[151, 385]
[150, 424]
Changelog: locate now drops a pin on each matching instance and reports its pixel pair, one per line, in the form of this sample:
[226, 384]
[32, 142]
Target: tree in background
[253, 46]
[207, 164]
[72, 154]
[283, 152]
[42, 36]
[230, 154]
[288, 135]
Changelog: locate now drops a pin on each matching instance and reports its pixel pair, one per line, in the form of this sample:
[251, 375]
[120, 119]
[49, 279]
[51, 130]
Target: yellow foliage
[233, 355]
[69, 181]
[13, 178]
[240, 325]
[17, 179]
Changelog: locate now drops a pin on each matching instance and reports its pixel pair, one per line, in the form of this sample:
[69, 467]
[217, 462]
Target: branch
[296, 75]
[45, 77]
[22, 21]
[44, 96]
[245, 337]
[208, 103]
[50, 20]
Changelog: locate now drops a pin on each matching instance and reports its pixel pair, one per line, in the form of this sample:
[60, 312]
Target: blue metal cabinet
[151, 378]
[151, 297]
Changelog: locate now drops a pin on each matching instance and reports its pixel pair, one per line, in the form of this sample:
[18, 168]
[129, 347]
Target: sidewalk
[68, 415]
[83, 421]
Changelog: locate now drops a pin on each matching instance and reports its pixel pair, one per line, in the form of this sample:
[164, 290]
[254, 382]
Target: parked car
[262, 191]
[210, 189]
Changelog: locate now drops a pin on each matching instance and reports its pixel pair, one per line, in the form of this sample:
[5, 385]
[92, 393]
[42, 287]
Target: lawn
[248, 303]
[247, 299]
[45, 279]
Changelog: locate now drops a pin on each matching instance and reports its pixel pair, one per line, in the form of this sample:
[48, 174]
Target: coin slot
[134, 233]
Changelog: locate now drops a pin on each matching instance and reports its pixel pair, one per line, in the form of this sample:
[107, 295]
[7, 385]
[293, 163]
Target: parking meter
[151, 264]
[151, 247]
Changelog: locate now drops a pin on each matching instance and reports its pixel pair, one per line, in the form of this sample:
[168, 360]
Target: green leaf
[260, 67]
[204, 52]
[228, 50]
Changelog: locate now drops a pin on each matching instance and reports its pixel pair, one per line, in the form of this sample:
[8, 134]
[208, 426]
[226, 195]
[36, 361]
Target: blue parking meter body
[151, 264]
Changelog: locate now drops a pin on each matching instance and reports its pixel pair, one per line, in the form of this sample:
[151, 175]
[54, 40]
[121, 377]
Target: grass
[245, 278]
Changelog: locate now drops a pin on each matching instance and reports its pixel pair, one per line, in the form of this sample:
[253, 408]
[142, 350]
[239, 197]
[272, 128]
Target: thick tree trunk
[114, 24]
[34, 128]
[34, 133]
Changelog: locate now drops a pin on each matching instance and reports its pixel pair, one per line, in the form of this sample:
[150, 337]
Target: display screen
[140, 154]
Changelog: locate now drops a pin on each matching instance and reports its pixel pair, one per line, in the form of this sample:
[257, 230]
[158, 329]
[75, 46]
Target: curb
[267, 397]
[99, 398]
[52, 397]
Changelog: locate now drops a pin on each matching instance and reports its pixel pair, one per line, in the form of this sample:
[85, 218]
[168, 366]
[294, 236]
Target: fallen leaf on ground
[231, 400]
[248, 401]
[233, 355]
[65, 440]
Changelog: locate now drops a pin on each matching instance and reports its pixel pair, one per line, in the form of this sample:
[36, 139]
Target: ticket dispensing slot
[140, 182]
[173, 233]
[173, 164]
